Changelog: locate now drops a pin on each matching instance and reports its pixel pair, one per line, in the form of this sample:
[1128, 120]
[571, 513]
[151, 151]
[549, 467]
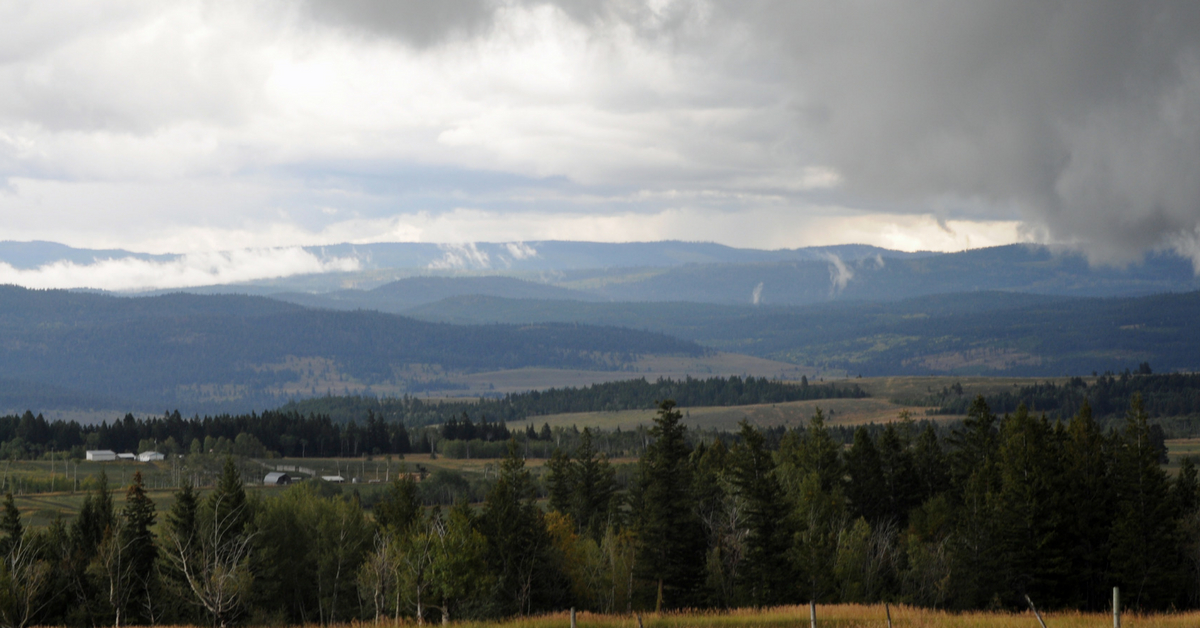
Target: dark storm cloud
[1084, 115]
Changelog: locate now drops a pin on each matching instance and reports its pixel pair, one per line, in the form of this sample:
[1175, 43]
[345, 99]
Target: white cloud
[461, 257]
[194, 269]
[205, 125]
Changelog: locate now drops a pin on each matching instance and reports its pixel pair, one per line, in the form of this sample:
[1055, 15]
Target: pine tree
[401, 506]
[811, 474]
[595, 487]
[559, 483]
[930, 465]
[1087, 481]
[137, 539]
[1144, 534]
[975, 481]
[865, 484]
[670, 535]
[1029, 526]
[518, 544]
[10, 525]
[901, 491]
[766, 578]
[227, 505]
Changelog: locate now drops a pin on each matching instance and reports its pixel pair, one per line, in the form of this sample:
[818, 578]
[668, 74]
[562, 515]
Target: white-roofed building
[101, 455]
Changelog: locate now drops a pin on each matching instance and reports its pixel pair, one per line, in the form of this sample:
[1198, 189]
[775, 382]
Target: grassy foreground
[847, 616]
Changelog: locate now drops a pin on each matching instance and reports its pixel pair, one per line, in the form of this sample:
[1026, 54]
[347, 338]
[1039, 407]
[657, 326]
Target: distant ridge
[399, 296]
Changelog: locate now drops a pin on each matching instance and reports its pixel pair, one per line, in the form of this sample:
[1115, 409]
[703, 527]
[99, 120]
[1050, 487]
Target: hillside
[982, 333]
[411, 292]
[217, 352]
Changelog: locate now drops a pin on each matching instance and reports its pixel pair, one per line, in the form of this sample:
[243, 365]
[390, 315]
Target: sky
[206, 126]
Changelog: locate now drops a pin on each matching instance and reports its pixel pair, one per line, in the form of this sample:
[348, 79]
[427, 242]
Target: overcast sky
[198, 126]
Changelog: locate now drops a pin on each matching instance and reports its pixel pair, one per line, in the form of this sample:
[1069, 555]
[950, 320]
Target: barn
[276, 478]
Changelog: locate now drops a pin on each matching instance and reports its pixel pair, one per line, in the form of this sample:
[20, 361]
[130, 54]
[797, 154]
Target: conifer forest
[977, 516]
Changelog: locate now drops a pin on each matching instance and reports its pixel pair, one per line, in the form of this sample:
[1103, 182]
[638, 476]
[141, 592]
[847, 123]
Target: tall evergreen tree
[1087, 482]
[1030, 510]
[865, 483]
[518, 544]
[975, 480]
[227, 505]
[811, 473]
[901, 491]
[929, 465]
[137, 540]
[401, 506]
[595, 488]
[559, 484]
[1144, 534]
[10, 525]
[767, 577]
[670, 535]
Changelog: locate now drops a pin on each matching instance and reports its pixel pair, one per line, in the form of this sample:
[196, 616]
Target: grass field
[791, 414]
[848, 616]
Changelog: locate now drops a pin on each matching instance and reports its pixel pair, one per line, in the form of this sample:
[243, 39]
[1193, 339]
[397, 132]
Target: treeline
[1164, 395]
[288, 434]
[1000, 509]
[633, 394]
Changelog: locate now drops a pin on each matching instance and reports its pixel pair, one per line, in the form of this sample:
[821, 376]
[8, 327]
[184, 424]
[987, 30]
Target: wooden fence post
[572, 617]
[1116, 607]
[812, 613]
[888, 610]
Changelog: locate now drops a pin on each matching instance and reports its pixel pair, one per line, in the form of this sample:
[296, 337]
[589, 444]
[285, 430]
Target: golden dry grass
[848, 616]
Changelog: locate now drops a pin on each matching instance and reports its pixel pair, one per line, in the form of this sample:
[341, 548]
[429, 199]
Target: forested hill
[235, 353]
[967, 333]
[1174, 395]
[634, 394]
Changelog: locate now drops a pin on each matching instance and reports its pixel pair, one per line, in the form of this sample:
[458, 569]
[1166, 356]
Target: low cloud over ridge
[130, 274]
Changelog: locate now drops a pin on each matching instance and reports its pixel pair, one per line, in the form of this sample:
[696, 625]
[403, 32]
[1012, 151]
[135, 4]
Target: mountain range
[423, 318]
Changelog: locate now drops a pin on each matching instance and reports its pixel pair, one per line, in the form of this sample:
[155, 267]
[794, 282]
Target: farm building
[275, 478]
[335, 479]
[127, 456]
[101, 455]
[150, 456]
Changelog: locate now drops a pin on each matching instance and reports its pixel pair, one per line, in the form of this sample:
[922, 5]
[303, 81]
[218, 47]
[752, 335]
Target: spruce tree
[1087, 482]
[518, 544]
[1029, 517]
[401, 506]
[901, 484]
[227, 505]
[930, 465]
[766, 578]
[10, 525]
[975, 481]
[865, 483]
[559, 483]
[670, 535]
[1144, 534]
[595, 488]
[138, 538]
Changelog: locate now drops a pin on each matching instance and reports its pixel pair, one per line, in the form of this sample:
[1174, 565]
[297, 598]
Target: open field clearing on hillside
[790, 414]
[911, 387]
[848, 616]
